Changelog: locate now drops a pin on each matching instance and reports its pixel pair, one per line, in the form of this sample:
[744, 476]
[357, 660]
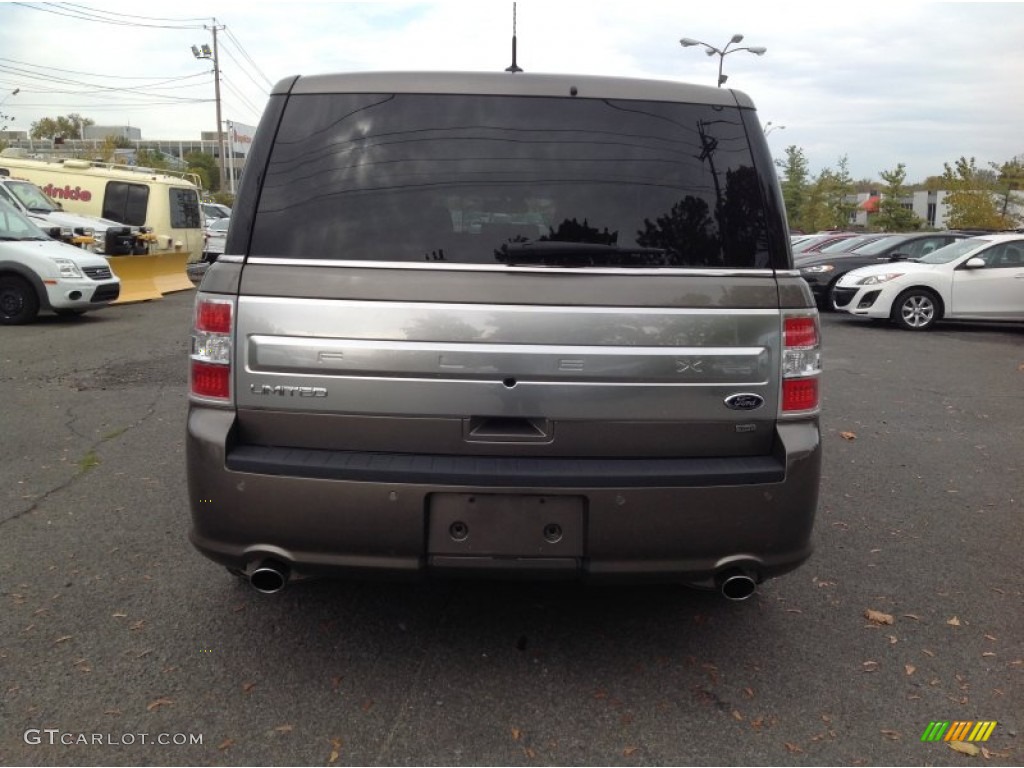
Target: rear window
[185, 209]
[126, 203]
[502, 179]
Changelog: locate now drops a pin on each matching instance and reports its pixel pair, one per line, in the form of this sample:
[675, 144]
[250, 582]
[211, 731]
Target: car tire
[916, 309]
[18, 301]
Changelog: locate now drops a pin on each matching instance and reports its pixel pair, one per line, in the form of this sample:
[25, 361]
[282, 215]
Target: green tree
[892, 215]
[1009, 183]
[827, 203]
[69, 126]
[205, 165]
[148, 158]
[794, 184]
[972, 200]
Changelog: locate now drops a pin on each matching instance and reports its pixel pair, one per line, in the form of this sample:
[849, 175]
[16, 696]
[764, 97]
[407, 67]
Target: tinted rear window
[184, 209]
[126, 203]
[486, 179]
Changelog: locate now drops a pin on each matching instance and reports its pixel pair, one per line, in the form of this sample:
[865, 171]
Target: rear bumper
[329, 513]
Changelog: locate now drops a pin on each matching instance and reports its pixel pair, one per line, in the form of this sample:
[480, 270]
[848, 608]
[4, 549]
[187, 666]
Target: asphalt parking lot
[116, 633]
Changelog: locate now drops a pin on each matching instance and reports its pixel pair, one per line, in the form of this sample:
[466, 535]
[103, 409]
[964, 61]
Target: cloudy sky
[882, 83]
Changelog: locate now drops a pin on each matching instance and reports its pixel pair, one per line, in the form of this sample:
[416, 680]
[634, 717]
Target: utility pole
[216, 92]
[204, 52]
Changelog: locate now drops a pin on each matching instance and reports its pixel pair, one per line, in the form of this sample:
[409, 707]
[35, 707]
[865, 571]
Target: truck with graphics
[165, 204]
[101, 236]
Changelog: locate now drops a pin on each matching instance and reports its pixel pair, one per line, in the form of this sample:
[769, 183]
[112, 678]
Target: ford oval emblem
[744, 401]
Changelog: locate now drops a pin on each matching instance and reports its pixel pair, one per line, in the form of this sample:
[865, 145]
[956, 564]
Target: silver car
[505, 325]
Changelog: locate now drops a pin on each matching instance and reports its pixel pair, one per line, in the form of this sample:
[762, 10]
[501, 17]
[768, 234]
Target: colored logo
[958, 730]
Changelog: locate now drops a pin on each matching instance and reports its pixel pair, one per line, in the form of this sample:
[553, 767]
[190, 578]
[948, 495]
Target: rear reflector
[801, 332]
[799, 394]
[211, 380]
[213, 316]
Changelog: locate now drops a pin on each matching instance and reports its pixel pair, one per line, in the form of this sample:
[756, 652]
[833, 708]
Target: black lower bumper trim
[504, 471]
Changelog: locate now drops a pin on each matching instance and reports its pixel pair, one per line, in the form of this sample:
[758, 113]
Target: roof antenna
[514, 67]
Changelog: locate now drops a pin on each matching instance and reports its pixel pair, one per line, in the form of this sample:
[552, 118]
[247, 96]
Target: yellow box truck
[165, 204]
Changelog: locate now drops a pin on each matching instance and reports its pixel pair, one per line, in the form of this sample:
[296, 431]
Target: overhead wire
[100, 19]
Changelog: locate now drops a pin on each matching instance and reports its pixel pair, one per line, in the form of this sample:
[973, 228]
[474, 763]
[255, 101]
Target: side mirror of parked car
[976, 263]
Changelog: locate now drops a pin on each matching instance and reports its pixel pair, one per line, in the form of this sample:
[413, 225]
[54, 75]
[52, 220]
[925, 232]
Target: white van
[165, 204]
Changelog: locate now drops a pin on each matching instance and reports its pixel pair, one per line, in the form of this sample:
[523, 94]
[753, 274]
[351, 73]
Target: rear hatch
[480, 274]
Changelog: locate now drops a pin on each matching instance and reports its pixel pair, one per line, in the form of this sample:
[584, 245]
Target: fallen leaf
[226, 744]
[989, 637]
[964, 748]
[628, 751]
[63, 639]
[893, 640]
[335, 751]
[893, 735]
[911, 669]
[757, 722]
[119, 615]
[135, 626]
[516, 734]
[953, 622]
[793, 748]
[737, 715]
[988, 653]
[247, 687]
[112, 712]
[848, 435]
[877, 617]
[927, 652]
[529, 753]
[748, 692]
[153, 706]
[870, 666]
[913, 616]
[285, 728]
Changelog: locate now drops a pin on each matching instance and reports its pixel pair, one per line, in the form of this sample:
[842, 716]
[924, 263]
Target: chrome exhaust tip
[269, 578]
[736, 586]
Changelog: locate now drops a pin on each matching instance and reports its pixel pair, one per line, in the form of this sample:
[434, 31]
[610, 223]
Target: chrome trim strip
[533, 309]
[435, 267]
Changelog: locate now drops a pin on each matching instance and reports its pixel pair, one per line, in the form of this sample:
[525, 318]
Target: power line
[248, 104]
[246, 55]
[147, 18]
[91, 74]
[241, 68]
[115, 22]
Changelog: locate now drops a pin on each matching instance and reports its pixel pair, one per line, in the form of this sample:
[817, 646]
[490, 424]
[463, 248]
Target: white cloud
[884, 83]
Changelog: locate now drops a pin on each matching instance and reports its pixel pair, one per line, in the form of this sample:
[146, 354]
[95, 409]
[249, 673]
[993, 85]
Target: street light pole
[710, 50]
[768, 128]
[204, 52]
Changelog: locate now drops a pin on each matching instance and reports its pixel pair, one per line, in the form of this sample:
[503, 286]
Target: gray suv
[505, 325]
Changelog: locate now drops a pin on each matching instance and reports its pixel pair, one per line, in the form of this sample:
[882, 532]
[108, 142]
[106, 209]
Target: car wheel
[917, 309]
[18, 301]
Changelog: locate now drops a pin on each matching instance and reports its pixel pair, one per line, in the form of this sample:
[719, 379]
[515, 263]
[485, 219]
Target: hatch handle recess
[506, 429]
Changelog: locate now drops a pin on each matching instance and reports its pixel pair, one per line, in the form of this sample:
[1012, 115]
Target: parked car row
[972, 278]
[823, 270]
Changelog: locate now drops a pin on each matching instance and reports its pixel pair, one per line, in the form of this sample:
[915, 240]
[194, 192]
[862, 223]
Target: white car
[980, 278]
[215, 235]
[38, 272]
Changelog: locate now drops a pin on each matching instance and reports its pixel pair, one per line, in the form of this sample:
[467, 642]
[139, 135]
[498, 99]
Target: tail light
[801, 363]
[210, 376]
